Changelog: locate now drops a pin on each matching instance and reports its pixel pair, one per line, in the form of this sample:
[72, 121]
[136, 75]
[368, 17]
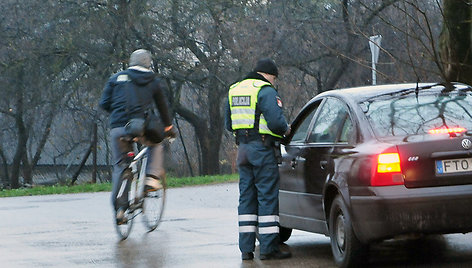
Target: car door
[329, 127]
[292, 166]
[310, 162]
[317, 156]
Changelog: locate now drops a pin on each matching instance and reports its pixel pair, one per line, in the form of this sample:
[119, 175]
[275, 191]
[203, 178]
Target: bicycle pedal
[150, 190]
[121, 216]
[122, 221]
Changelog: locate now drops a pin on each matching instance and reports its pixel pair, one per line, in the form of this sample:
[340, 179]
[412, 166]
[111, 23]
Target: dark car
[371, 163]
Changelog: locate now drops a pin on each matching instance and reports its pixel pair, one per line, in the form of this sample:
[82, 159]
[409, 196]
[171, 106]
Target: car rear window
[412, 114]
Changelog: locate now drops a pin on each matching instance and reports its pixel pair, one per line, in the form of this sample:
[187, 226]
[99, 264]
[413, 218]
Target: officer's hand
[289, 129]
[170, 132]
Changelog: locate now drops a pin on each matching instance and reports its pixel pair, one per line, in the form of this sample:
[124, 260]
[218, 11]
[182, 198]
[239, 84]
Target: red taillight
[447, 130]
[388, 163]
[130, 154]
[387, 170]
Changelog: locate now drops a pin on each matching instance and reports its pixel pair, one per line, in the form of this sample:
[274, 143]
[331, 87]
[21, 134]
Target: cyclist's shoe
[152, 185]
[120, 216]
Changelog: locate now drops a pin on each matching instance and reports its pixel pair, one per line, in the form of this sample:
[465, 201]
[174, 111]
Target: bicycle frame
[138, 200]
[139, 191]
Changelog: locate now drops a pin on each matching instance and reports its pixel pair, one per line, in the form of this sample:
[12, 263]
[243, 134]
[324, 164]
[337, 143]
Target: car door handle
[293, 163]
[323, 164]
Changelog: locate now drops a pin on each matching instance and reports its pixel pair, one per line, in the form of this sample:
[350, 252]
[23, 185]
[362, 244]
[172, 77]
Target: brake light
[389, 162]
[387, 170]
[447, 130]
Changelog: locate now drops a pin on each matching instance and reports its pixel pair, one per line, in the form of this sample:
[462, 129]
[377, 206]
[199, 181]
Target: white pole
[374, 44]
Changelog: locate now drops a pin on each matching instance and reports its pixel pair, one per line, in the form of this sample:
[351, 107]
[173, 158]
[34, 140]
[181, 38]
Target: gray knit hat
[141, 57]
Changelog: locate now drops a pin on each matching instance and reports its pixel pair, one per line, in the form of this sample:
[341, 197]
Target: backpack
[143, 120]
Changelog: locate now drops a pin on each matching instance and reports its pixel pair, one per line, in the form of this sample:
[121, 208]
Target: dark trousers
[258, 197]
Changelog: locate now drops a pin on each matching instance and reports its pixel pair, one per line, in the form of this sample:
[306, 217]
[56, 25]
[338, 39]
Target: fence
[62, 174]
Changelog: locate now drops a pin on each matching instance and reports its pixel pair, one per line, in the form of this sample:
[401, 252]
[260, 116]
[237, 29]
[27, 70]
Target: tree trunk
[6, 177]
[94, 152]
[209, 138]
[456, 41]
[26, 169]
[210, 155]
[20, 151]
[22, 135]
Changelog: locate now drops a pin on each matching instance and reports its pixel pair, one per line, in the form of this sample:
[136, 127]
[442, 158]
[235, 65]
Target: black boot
[276, 255]
[247, 255]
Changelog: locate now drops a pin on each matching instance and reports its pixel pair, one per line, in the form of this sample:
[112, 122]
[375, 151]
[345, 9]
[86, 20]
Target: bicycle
[149, 204]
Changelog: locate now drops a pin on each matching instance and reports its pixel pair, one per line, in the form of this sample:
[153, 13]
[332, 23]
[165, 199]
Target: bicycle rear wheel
[153, 207]
[124, 228]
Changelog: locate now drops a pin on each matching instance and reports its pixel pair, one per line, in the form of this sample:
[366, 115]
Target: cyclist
[116, 101]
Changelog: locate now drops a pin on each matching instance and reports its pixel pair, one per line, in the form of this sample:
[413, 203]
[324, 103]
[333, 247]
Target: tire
[284, 234]
[124, 229]
[347, 250]
[153, 207]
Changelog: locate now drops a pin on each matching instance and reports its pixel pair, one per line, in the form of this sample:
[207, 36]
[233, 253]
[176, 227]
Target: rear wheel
[284, 234]
[153, 207]
[123, 228]
[347, 250]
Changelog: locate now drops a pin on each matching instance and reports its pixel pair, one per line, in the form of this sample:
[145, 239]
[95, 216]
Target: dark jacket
[268, 101]
[124, 103]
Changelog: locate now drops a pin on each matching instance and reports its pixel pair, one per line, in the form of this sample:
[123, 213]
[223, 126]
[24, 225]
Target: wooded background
[55, 57]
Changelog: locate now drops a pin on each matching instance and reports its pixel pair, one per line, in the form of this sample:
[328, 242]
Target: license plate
[453, 165]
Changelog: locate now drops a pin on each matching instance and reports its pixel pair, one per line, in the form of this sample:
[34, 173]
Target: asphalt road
[199, 230]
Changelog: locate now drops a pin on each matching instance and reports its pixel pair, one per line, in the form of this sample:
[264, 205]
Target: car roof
[359, 94]
[353, 96]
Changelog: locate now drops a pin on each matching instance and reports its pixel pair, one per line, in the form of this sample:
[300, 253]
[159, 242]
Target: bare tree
[27, 58]
[456, 41]
[55, 60]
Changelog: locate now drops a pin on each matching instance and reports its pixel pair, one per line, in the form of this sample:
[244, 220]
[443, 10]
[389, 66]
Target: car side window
[348, 134]
[302, 130]
[332, 117]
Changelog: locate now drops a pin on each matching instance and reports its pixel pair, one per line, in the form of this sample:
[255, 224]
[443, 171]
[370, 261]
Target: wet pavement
[199, 230]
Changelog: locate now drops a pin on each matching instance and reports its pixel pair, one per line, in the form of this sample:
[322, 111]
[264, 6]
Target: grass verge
[106, 187]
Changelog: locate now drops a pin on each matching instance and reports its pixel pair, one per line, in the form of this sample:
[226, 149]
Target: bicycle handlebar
[143, 140]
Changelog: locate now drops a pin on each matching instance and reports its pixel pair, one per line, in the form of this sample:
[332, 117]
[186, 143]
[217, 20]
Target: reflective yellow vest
[242, 102]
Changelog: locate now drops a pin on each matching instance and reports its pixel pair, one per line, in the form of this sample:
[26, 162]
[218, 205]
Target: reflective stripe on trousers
[269, 224]
[247, 223]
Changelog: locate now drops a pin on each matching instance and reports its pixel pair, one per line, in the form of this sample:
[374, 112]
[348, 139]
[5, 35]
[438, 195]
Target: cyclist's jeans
[119, 149]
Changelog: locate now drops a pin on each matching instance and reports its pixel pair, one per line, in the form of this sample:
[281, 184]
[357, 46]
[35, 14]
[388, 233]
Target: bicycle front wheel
[153, 207]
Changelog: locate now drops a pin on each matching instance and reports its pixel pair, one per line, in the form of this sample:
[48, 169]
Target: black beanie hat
[267, 66]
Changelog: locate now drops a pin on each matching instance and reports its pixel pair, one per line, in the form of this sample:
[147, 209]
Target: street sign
[374, 44]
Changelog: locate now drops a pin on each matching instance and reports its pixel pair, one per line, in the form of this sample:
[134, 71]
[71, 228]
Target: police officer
[254, 114]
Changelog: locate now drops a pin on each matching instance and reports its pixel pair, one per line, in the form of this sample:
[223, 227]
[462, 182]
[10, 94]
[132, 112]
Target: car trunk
[428, 160]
